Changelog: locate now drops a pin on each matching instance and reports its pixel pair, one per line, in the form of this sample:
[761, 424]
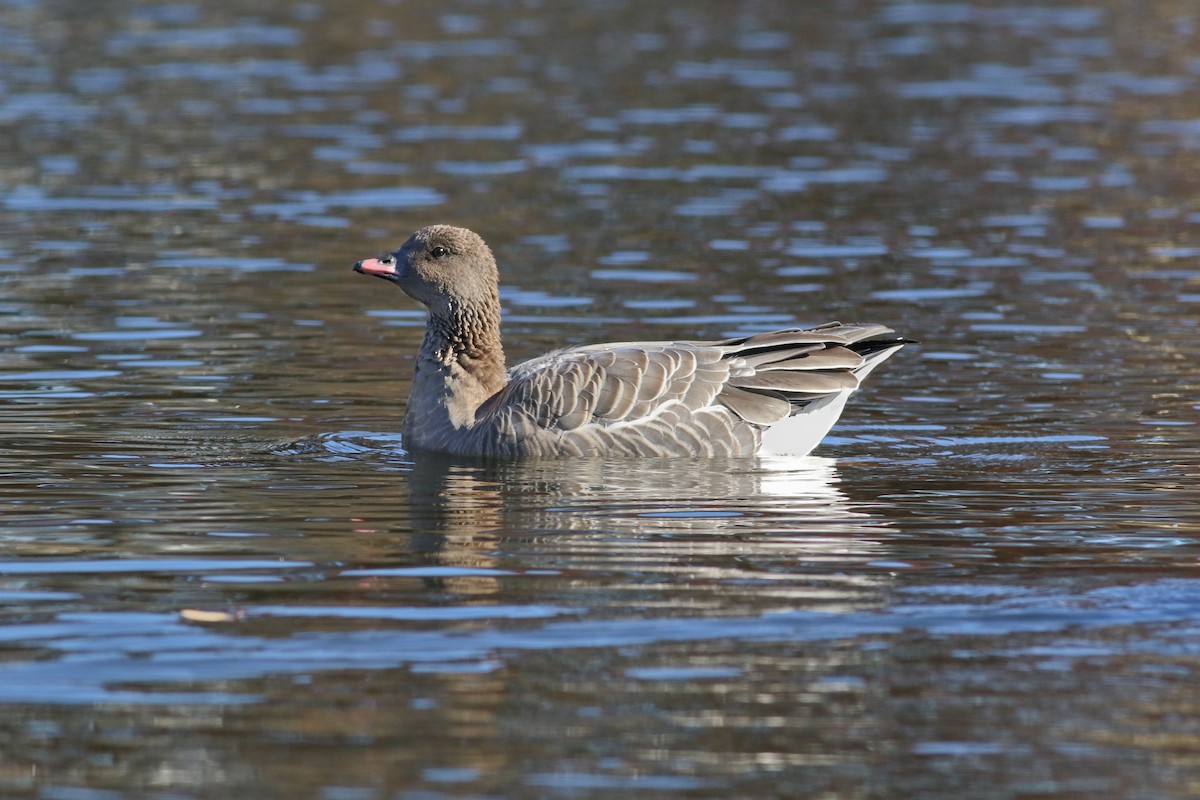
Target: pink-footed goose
[776, 392]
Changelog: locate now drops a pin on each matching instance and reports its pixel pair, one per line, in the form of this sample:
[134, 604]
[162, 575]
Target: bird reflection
[710, 497]
[783, 522]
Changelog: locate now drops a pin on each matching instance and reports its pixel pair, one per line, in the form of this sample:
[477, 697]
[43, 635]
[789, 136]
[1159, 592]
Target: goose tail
[796, 383]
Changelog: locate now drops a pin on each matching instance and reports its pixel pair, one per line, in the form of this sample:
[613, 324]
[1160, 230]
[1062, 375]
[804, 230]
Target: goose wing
[602, 386]
[671, 398]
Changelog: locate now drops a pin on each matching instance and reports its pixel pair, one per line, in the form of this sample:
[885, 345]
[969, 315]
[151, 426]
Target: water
[222, 575]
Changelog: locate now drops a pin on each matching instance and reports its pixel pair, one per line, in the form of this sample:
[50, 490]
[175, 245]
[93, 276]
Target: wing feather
[760, 408]
[831, 357]
[676, 398]
[799, 381]
[571, 389]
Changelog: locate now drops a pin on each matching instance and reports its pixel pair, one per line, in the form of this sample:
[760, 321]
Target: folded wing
[676, 398]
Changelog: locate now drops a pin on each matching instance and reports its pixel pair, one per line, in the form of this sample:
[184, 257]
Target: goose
[777, 392]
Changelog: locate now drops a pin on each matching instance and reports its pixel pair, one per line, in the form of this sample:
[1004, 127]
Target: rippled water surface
[222, 575]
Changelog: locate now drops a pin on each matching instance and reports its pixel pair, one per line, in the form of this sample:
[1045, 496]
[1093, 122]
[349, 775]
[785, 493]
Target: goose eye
[439, 252]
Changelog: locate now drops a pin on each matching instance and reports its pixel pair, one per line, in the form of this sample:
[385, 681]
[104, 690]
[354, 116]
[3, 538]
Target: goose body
[776, 392]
